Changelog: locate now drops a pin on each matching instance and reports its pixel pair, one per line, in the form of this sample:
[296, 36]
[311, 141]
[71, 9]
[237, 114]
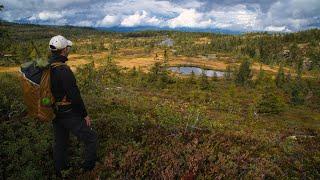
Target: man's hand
[88, 120]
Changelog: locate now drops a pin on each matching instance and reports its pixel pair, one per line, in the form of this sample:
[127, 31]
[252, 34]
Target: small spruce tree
[270, 102]
[280, 78]
[204, 81]
[261, 77]
[227, 74]
[215, 76]
[244, 75]
[165, 56]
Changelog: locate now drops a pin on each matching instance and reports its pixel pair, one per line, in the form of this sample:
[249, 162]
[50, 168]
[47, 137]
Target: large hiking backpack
[36, 86]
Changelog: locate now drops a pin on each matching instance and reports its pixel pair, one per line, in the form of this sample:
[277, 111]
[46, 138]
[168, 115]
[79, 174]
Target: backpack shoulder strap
[57, 64]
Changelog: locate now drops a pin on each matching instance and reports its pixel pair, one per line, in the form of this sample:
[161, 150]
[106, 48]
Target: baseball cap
[59, 42]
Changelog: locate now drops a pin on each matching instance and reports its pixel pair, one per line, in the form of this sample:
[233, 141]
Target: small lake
[185, 70]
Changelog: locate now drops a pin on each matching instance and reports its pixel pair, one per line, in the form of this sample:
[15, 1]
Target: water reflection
[197, 71]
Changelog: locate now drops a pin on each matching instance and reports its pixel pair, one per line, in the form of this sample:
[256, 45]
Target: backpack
[36, 87]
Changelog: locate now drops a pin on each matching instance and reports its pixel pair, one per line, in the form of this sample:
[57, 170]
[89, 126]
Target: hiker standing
[70, 111]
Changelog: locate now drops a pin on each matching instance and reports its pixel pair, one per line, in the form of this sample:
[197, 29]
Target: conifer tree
[280, 78]
[314, 56]
[204, 81]
[215, 76]
[165, 56]
[270, 102]
[299, 68]
[294, 54]
[261, 76]
[192, 78]
[227, 74]
[244, 75]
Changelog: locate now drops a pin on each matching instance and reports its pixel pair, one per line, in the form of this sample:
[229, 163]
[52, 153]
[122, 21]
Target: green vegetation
[244, 75]
[299, 50]
[159, 125]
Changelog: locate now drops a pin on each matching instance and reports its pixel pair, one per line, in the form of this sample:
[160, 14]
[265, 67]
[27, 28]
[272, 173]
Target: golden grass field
[136, 57]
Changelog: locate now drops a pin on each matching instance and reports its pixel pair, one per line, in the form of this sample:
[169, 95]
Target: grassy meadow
[261, 120]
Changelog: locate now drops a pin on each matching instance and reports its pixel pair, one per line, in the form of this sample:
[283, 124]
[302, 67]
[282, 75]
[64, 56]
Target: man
[72, 115]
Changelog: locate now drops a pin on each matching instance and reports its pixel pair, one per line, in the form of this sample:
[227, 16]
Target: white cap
[59, 42]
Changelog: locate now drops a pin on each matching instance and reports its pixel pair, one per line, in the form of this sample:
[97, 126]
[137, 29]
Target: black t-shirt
[63, 83]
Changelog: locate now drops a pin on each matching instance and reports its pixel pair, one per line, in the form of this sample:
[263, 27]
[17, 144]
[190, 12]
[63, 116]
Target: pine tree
[215, 76]
[192, 78]
[261, 77]
[294, 54]
[244, 75]
[165, 56]
[280, 78]
[297, 93]
[299, 68]
[270, 102]
[204, 81]
[154, 72]
[227, 74]
[314, 56]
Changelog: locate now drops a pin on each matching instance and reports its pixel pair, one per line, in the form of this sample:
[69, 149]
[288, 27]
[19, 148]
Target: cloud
[247, 15]
[238, 17]
[294, 14]
[84, 23]
[277, 29]
[189, 18]
[139, 19]
[130, 7]
[109, 21]
[65, 3]
[47, 15]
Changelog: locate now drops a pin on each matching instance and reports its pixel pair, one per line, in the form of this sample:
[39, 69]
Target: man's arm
[72, 91]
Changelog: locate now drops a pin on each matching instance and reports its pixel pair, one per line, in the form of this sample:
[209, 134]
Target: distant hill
[144, 28]
[140, 28]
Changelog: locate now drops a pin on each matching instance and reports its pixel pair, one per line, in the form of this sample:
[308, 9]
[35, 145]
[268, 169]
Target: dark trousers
[71, 122]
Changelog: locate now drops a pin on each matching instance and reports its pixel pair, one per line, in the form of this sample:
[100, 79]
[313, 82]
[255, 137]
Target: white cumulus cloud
[276, 28]
[140, 19]
[237, 17]
[46, 15]
[189, 18]
[251, 15]
[294, 14]
[109, 21]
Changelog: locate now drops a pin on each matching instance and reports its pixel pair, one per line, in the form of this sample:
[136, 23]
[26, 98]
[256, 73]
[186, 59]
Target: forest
[260, 120]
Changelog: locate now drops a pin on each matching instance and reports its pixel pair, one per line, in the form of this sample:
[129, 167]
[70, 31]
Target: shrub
[280, 78]
[11, 102]
[159, 76]
[244, 75]
[204, 83]
[297, 93]
[26, 150]
[270, 102]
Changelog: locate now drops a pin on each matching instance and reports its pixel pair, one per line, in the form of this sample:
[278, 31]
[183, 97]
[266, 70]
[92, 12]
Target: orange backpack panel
[38, 97]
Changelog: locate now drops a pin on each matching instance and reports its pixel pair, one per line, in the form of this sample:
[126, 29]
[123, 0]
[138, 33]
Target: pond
[186, 70]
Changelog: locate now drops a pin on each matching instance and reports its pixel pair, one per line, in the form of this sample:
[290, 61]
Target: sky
[237, 15]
